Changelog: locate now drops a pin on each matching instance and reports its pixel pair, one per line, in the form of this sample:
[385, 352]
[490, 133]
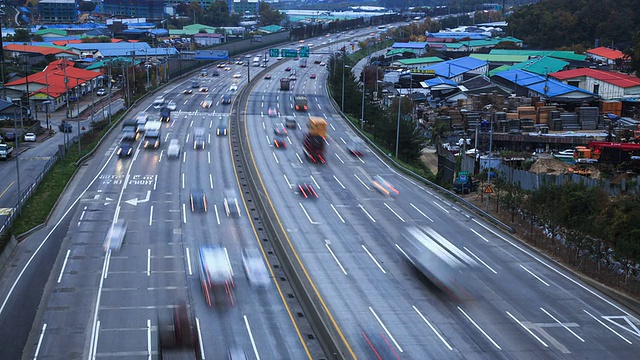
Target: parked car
[29, 137]
[101, 92]
[9, 136]
[65, 127]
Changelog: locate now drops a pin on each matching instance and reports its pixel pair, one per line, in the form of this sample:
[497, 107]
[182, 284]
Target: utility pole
[364, 88]
[26, 76]
[109, 89]
[66, 84]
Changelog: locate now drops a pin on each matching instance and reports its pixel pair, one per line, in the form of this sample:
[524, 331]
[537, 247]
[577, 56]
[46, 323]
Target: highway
[516, 304]
[158, 264]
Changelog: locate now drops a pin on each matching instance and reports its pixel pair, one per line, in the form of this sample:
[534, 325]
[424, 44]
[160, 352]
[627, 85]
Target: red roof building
[606, 55]
[49, 84]
[14, 50]
[608, 84]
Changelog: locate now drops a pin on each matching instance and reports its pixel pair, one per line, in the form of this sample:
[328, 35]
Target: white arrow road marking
[135, 201]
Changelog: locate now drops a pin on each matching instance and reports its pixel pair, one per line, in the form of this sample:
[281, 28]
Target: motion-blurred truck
[177, 336]
[300, 102]
[216, 275]
[285, 84]
[314, 139]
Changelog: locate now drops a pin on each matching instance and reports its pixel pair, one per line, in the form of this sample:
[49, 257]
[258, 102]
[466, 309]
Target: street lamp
[398, 126]
[343, 67]
[364, 88]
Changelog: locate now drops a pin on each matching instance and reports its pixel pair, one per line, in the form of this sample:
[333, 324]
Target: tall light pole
[398, 126]
[364, 88]
[15, 125]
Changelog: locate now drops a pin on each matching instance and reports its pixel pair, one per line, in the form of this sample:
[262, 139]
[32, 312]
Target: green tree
[87, 6]
[268, 15]
[22, 35]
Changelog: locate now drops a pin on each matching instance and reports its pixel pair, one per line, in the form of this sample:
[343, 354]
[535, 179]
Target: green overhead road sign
[304, 51]
[289, 53]
[274, 52]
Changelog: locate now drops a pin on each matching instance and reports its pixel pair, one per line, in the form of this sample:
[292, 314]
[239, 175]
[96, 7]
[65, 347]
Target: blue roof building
[456, 69]
[458, 35]
[419, 47]
[121, 49]
[530, 84]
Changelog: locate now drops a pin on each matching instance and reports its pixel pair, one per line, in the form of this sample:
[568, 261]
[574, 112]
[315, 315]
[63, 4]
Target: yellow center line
[7, 189]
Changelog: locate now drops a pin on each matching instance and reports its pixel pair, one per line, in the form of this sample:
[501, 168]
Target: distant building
[204, 39]
[150, 9]
[608, 84]
[57, 11]
[245, 7]
[606, 55]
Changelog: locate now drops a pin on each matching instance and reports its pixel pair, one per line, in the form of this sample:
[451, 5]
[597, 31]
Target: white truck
[152, 134]
[256, 61]
[5, 151]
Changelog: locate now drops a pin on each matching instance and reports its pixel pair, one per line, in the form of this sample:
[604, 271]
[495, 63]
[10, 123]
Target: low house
[35, 54]
[457, 69]
[204, 39]
[528, 84]
[419, 47]
[608, 84]
[605, 55]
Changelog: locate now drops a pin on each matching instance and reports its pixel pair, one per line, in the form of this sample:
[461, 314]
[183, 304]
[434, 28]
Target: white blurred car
[237, 75]
[115, 236]
[174, 149]
[29, 137]
[233, 87]
[171, 106]
[254, 267]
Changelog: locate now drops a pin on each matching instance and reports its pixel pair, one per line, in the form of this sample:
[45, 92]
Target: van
[290, 122]
[158, 102]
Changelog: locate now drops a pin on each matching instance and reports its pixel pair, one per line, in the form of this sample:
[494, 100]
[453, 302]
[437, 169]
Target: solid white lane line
[479, 328]
[360, 158]
[395, 213]
[148, 262]
[94, 343]
[200, 338]
[339, 183]
[184, 213]
[331, 125]
[276, 158]
[209, 157]
[335, 258]
[362, 182]
[605, 325]
[440, 206]
[299, 158]
[374, 259]
[314, 181]
[306, 213]
[478, 234]
[385, 329]
[534, 275]
[337, 213]
[160, 157]
[339, 158]
[432, 328]
[189, 261]
[44, 328]
[344, 142]
[155, 182]
[183, 180]
[527, 329]
[211, 181]
[64, 264]
[215, 209]
[151, 215]
[253, 343]
[366, 212]
[402, 251]
[149, 339]
[563, 325]
[184, 156]
[479, 260]
[420, 211]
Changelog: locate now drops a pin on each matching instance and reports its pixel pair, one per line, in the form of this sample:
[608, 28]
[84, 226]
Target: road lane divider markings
[151, 215]
[307, 214]
[534, 275]
[527, 329]
[184, 213]
[374, 259]
[337, 213]
[149, 339]
[362, 182]
[478, 234]
[395, 213]
[287, 180]
[253, 343]
[562, 324]
[148, 262]
[189, 261]
[183, 181]
[275, 157]
[435, 331]
[421, 213]
[479, 328]
[155, 181]
[480, 260]
[6, 189]
[326, 243]
[314, 181]
[366, 212]
[440, 206]
[215, 209]
[64, 264]
[608, 327]
[385, 329]
[299, 158]
[211, 181]
[208, 157]
[200, 339]
[339, 158]
[44, 328]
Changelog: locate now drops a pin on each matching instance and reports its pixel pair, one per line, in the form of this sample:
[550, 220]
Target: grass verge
[36, 210]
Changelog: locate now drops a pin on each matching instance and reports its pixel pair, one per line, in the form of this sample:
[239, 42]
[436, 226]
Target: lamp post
[398, 126]
[46, 109]
[15, 125]
[364, 88]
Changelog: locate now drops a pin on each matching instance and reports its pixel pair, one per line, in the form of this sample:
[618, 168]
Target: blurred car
[65, 127]
[231, 204]
[228, 68]
[279, 130]
[290, 122]
[267, 77]
[29, 137]
[312, 76]
[279, 143]
[206, 104]
[237, 75]
[239, 62]
[293, 77]
[125, 149]
[279, 58]
[11, 136]
[237, 353]
[204, 89]
[187, 91]
[199, 138]
[215, 73]
[272, 112]
[254, 267]
[171, 105]
[288, 68]
[317, 62]
[356, 146]
[233, 87]
[220, 66]
[384, 186]
[101, 92]
[322, 64]
[198, 200]
[221, 130]
[115, 237]
[173, 151]
[307, 190]
[226, 99]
